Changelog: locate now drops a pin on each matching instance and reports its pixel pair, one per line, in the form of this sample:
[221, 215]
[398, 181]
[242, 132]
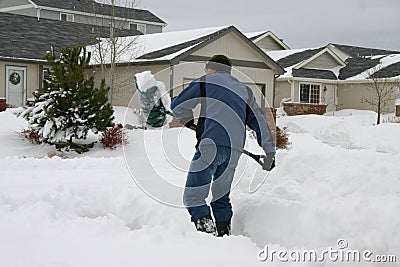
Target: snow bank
[339, 179]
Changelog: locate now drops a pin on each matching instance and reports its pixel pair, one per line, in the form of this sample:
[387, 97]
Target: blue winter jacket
[229, 108]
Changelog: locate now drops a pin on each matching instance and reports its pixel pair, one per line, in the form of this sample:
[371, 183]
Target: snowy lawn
[340, 179]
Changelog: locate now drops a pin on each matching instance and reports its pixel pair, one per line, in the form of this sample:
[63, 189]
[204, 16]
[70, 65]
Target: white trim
[313, 80]
[273, 36]
[137, 26]
[34, 5]
[309, 97]
[38, 13]
[24, 70]
[323, 51]
[14, 8]
[67, 14]
[16, 59]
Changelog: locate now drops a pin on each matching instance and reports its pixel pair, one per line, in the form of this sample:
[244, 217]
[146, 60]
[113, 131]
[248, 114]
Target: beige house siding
[230, 45]
[125, 83]
[282, 90]
[324, 61]
[261, 78]
[268, 44]
[349, 97]
[184, 73]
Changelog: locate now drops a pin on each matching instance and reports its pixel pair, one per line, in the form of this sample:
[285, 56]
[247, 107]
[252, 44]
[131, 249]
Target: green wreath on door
[15, 78]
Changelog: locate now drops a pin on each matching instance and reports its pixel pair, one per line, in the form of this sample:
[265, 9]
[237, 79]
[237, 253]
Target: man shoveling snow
[227, 106]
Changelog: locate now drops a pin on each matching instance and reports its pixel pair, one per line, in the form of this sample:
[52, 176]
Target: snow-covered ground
[340, 179]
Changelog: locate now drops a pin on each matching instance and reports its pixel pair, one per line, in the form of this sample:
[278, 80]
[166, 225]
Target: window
[138, 27]
[309, 93]
[67, 17]
[46, 72]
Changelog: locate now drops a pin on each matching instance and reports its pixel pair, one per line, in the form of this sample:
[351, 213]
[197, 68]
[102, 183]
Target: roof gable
[267, 41]
[247, 42]
[324, 59]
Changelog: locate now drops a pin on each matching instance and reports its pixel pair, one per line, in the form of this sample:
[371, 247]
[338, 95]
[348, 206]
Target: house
[87, 12]
[28, 28]
[177, 58]
[331, 78]
[24, 42]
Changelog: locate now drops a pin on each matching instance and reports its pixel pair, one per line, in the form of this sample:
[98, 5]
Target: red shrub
[282, 138]
[114, 136]
[31, 135]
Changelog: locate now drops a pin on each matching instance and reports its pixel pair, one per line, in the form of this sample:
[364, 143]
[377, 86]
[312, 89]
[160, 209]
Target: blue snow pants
[212, 166]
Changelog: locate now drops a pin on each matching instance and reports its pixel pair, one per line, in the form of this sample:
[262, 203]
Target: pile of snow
[339, 179]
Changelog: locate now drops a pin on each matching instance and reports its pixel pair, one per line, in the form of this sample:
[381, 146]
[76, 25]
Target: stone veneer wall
[293, 109]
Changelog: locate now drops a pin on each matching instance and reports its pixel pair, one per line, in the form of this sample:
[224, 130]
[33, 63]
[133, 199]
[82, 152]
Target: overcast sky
[300, 23]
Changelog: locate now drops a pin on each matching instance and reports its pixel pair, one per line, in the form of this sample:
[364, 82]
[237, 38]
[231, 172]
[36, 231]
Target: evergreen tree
[68, 106]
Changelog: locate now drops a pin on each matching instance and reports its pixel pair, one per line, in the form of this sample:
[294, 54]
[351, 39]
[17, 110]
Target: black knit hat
[219, 63]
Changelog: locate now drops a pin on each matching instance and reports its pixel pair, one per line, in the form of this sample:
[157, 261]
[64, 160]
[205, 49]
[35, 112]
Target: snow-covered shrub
[68, 106]
[114, 136]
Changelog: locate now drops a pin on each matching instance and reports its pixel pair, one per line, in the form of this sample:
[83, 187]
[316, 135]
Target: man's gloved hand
[269, 162]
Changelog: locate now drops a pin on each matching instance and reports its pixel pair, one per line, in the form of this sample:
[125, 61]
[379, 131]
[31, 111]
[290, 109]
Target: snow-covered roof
[384, 62]
[279, 54]
[168, 46]
[145, 45]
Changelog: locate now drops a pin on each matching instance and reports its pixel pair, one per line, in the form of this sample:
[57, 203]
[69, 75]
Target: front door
[16, 86]
[330, 96]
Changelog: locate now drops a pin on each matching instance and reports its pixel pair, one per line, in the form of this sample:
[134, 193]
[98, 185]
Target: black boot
[206, 225]
[223, 228]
